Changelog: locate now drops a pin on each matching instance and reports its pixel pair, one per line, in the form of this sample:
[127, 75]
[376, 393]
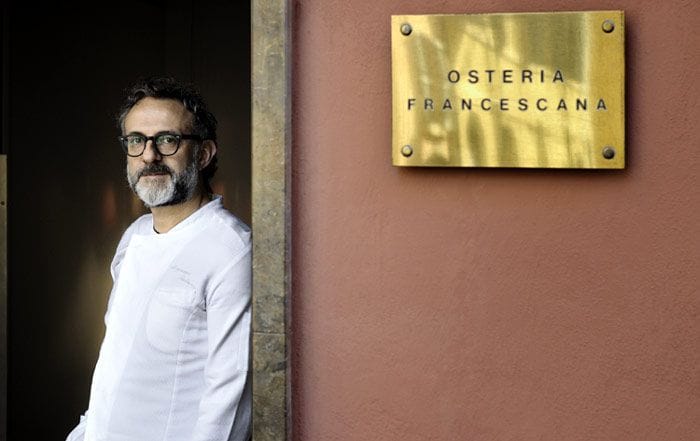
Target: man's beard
[175, 189]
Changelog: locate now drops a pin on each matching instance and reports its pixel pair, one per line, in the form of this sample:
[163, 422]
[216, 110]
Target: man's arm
[78, 432]
[228, 330]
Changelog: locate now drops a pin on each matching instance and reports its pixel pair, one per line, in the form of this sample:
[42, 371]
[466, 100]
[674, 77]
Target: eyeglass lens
[166, 144]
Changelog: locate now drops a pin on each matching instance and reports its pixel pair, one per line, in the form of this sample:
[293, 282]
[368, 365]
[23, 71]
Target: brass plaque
[544, 90]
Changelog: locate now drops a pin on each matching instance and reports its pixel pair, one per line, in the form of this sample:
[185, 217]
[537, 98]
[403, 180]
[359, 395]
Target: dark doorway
[64, 71]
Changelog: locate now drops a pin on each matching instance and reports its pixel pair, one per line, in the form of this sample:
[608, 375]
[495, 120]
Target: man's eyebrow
[162, 132]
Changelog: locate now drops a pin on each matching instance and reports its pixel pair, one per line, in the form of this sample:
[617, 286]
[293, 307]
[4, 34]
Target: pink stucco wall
[476, 304]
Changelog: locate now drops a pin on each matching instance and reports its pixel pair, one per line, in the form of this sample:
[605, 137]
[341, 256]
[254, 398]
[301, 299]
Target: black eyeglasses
[166, 144]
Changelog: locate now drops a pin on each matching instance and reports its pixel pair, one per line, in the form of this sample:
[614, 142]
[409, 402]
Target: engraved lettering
[558, 77]
[508, 76]
[453, 76]
[504, 104]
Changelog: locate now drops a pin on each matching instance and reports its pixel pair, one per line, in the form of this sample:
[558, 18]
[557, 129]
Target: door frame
[271, 217]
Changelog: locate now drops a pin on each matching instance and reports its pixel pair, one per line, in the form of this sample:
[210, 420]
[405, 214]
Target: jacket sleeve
[78, 432]
[226, 370]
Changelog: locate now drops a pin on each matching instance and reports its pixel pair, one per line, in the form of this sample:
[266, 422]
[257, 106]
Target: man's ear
[206, 153]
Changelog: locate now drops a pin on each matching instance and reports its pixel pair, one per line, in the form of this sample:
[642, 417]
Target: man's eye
[134, 140]
[167, 139]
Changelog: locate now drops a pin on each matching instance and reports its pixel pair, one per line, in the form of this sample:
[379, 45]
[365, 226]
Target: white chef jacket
[174, 361]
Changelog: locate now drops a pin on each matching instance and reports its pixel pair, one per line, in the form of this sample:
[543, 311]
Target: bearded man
[173, 364]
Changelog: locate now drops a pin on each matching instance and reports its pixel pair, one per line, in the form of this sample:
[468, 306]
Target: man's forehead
[157, 113]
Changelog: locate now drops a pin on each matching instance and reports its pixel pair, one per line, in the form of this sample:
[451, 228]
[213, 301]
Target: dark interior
[64, 72]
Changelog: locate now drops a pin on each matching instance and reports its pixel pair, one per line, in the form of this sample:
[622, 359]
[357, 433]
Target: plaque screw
[608, 26]
[407, 150]
[406, 29]
[608, 152]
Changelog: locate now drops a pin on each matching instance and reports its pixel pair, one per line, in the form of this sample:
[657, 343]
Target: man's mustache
[152, 169]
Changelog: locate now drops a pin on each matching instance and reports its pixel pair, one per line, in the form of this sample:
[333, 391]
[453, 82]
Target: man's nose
[150, 153]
